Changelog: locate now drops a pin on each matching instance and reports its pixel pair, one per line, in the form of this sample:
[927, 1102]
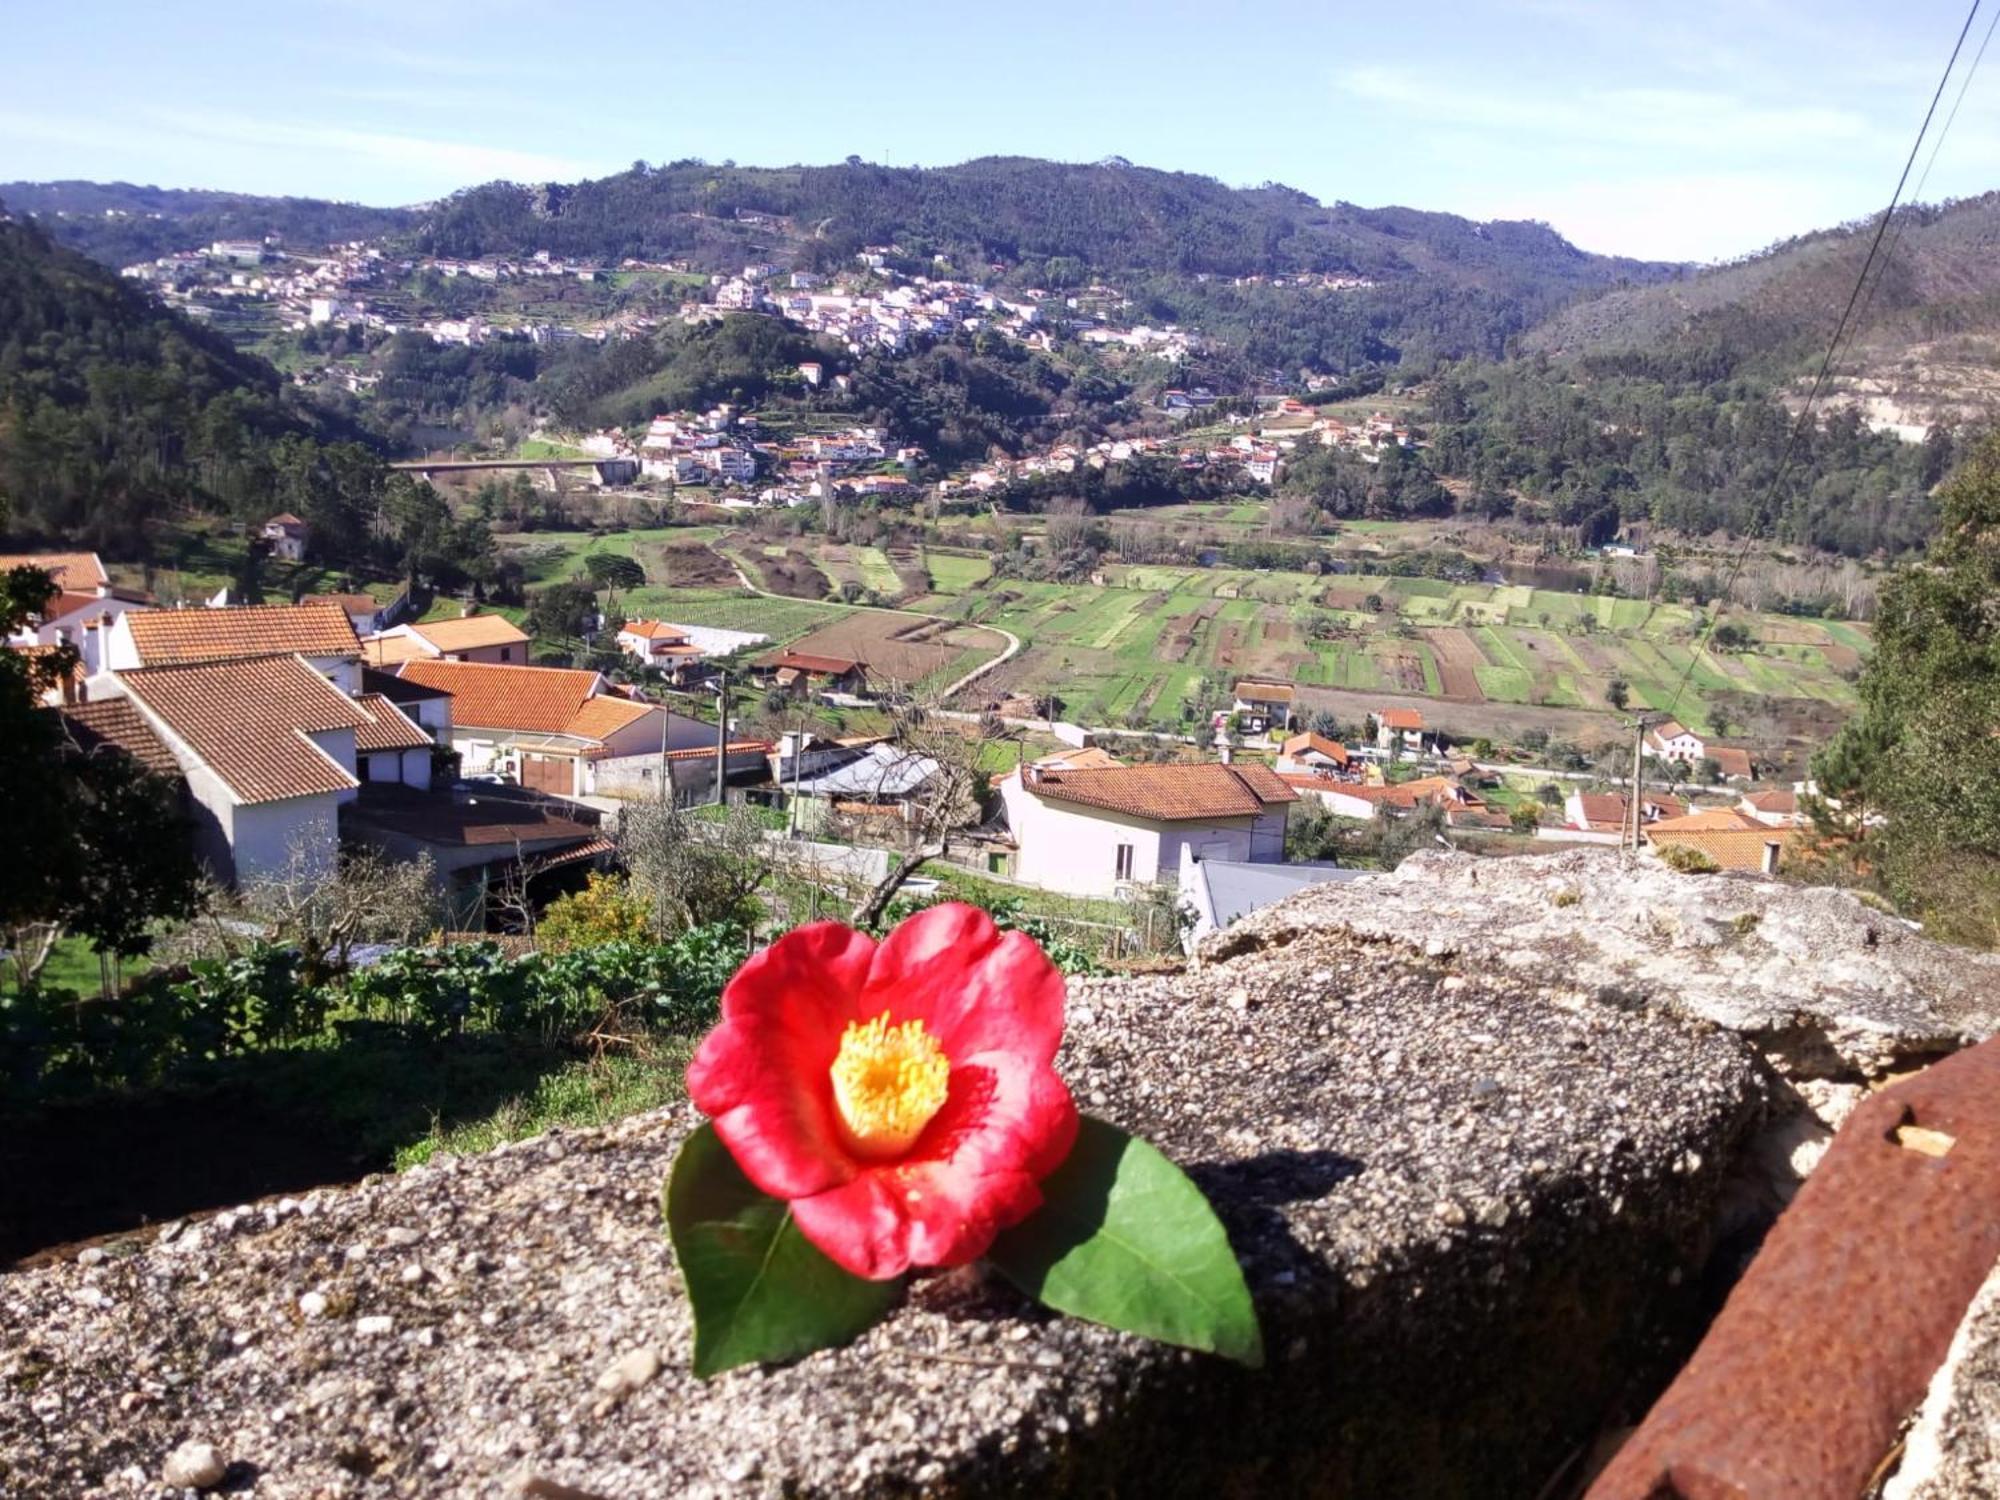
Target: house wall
[406, 767]
[1073, 849]
[642, 735]
[510, 655]
[267, 833]
[339, 746]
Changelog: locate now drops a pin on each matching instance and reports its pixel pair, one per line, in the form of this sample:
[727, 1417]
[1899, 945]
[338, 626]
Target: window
[1124, 861]
[506, 653]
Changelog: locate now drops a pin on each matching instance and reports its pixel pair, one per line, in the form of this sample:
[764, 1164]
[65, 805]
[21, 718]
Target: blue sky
[1694, 129]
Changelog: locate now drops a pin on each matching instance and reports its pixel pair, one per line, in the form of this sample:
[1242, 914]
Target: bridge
[609, 470]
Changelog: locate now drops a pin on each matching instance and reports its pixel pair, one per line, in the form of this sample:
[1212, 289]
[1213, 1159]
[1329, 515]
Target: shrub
[606, 910]
[1687, 859]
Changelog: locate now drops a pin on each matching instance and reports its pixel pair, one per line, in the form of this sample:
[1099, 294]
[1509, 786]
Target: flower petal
[975, 988]
[975, 1172]
[762, 1075]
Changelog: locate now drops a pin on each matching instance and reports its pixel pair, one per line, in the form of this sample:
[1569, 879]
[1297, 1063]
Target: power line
[1804, 422]
[1923, 177]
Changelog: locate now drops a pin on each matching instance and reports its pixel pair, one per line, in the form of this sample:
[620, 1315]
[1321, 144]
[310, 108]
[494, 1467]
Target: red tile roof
[248, 721]
[113, 724]
[1602, 808]
[1401, 718]
[76, 571]
[654, 630]
[1168, 793]
[171, 637]
[801, 661]
[1708, 818]
[1301, 744]
[388, 727]
[470, 631]
[1732, 759]
[602, 717]
[1730, 848]
[496, 696]
[1786, 802]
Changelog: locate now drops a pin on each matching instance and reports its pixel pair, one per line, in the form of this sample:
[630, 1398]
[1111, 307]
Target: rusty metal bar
[1828, 1342]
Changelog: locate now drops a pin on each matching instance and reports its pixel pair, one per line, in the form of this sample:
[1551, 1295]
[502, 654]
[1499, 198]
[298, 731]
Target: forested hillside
[1674, 403]
[115, 411]
[118, 223]
[1446, 285]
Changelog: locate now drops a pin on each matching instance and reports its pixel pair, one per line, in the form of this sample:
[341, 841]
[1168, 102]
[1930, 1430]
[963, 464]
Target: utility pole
[1632, 816]
[798, 772]
[721, 736]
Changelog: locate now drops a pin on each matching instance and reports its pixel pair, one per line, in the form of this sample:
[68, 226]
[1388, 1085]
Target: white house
[286, 534]
[320, 633]
[1100, 831]
[548, 727]
[1400, 729]
[1672, 741]
[81, 610]
[486, 638]
[658, 643]
[267, 746]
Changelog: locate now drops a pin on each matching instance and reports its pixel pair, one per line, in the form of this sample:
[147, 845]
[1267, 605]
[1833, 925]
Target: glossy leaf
[761, 1290]
[1125, 1239]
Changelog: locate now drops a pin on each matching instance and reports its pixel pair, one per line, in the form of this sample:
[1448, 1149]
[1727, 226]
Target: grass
[584, 1093]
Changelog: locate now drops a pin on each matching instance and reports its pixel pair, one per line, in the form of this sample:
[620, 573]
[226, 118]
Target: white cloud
[448, 163]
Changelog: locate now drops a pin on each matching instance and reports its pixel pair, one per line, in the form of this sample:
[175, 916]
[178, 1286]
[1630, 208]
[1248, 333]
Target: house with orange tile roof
[268, 748]
[680, 650]
[1105, 830]
[808, 672]
[487, 638]
[548, 727]
[1310, 753]
[1776, 809]
[1755, 849]
[319, 633]
[1670, 740]
[80, 608]
[365, 612]
[1400, 729]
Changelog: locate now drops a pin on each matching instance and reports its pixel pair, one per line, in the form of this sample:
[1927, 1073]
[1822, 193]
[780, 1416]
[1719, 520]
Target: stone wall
[1475, 1177]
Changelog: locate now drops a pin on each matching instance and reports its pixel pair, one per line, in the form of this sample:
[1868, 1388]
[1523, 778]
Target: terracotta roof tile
[73, 570]
[393, 650]
[654, 630]
[494, 696]
[601, 717]
[1707, 818]
[801, 661]
[470, 631]
[1167, 793]
[1258, 690]
[1773, 801]
[1730, 848]
[172, 637]
[388, 727]
[1733, 760]
[1401, 718]
[1301, 744]
[248, 720]
[114, 724]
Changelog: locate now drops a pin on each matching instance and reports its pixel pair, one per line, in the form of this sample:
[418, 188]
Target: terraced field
[1133, 648]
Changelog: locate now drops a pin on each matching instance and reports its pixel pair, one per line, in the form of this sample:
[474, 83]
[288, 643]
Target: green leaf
[1123, 1238]
[761, 1290]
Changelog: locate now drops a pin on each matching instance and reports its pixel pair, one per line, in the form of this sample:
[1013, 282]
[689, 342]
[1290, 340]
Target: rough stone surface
[1473, 1205]
[193, 1466]
[1953, 1451]
[1827, 986]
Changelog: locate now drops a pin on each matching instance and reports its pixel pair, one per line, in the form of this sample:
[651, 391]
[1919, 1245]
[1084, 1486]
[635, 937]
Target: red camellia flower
[901, 1096]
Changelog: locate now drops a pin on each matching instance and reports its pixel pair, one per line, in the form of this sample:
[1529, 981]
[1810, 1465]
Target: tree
[562, 611]
[1617, 693]
[1526, 816]
[1923, 755]
[606, 910]
[365, 896]
[96, 843]
[690, 871]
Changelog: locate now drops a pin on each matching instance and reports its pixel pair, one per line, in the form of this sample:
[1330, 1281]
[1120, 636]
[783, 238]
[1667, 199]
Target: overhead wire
[1803, 423]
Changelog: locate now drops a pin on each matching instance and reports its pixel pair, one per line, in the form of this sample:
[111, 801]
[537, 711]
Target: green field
[1130, 651]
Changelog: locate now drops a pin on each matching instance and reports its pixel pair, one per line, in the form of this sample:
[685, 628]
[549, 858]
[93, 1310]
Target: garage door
[549, 773]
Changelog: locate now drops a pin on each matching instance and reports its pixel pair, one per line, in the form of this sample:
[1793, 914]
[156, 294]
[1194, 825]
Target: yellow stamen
[888, 1082]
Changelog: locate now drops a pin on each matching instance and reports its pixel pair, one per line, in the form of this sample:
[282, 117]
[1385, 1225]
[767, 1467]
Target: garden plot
[1458, 664]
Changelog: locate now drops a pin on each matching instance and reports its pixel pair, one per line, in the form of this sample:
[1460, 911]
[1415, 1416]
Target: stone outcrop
[1953, 1450]
[1475, 1204]
[1826, 985]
